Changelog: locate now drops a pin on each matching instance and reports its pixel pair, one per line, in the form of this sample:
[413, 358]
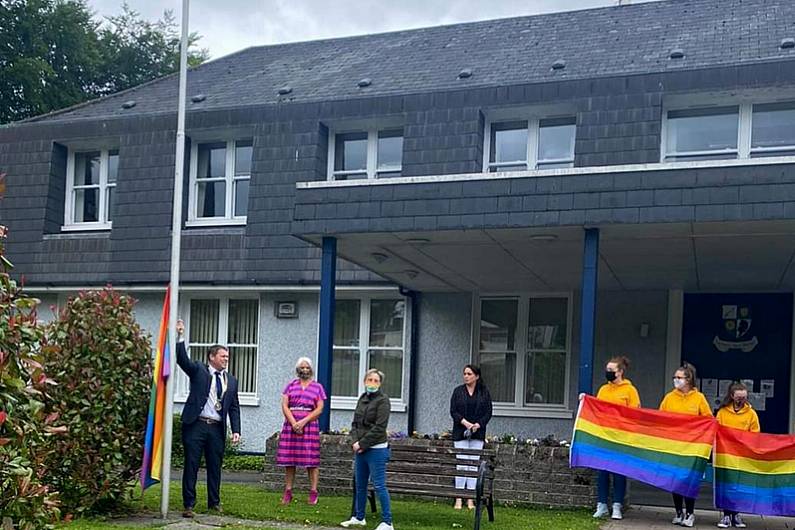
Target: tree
[53, 54]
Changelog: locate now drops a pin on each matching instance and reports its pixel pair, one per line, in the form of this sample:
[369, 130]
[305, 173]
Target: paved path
[653, 518]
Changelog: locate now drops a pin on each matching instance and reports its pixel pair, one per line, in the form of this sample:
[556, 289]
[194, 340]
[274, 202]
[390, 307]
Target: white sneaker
[384, 526]
[617, 511]
[725, 522]
[678, 518]
[689, 521]
[601, 510]
[353, 521]
[737, 521]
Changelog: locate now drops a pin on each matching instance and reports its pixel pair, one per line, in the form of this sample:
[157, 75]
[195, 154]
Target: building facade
[532, 194]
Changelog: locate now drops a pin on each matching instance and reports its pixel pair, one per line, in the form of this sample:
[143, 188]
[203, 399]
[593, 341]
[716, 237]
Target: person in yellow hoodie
[618, 389]
[685, 399]
[736, 412]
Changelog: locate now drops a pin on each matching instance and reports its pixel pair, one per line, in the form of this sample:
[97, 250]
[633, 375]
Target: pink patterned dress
[301, 450]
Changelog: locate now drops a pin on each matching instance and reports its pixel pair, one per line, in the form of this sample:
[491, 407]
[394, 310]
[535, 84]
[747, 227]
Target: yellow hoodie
[623, 393]
[693, 403]
[744, 419]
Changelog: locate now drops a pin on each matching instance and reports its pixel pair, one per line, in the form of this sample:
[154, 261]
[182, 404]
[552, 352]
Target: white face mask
[679, 383]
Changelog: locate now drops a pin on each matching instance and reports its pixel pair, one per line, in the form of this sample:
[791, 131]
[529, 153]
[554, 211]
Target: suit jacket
[199, 375]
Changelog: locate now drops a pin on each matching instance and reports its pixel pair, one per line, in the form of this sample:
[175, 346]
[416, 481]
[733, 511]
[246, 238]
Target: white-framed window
[521, 145]
[369, 332]
[524, 352]
[747, 130]
[90, 182]
[232, 321]
[366, 154]
[220, 173]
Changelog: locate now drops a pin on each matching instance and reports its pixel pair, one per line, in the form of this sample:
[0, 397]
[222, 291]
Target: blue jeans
[603, 487]
[371, 464]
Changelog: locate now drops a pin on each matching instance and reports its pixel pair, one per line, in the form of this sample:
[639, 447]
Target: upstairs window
[366, 154]
[728, 133]
[90, 182]
[219, 182]
[530, 144]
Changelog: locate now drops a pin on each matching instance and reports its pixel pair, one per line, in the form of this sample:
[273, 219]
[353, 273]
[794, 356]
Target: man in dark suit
[212, 398]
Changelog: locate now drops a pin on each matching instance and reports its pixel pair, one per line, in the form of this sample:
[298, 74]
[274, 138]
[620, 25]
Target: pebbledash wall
[443, 349]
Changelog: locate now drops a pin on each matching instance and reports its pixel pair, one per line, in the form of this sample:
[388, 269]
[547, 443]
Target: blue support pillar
[325, 343]
[590, 273]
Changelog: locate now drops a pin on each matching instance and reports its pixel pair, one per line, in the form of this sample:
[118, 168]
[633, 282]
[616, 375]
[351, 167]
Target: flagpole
[176, 229]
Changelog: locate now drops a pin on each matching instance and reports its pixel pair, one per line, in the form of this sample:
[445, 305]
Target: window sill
[349, 403]
[246, 400]
[75, 234]
[88, 227]
[553, 412]
[214, 222]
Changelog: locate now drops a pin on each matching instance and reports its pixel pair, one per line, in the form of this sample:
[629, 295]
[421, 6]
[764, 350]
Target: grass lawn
[252, 502]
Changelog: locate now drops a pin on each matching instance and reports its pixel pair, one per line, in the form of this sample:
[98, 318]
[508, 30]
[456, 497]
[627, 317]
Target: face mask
[371, 389]
[739, 403]
[304, 373]
[679, 383]
[610, 376]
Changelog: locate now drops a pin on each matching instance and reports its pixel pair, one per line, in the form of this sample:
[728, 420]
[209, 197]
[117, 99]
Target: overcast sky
[230, 25]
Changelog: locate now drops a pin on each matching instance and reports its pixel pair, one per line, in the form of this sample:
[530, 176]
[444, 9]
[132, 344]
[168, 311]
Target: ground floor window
[524, 348]
[233, 322]
[368, 333]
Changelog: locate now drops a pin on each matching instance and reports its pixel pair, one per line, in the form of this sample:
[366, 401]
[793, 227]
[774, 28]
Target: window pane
[498, 371]
[204, 321]
[243, 321]
[86, 208]
[508, 142]
[547, 325]
[243, 151]
[555, 141]
[391, 363]
[113, 166]
[498, 325]
[243, 365]
[109, 203]
[390, 150]
[702, 130]
[87, 169]
[346, 323]
[212, 199]
[773, 126]
[386, 323]
[241, 197]
[350, 152]
[345, 373]
[546, 377]
[212, 160]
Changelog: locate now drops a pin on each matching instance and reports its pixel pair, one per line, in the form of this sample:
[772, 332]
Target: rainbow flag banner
[755, 472]
[153, 442]
[669, 451]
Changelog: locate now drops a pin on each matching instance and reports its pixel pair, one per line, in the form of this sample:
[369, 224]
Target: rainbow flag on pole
[755, 472]
[669, 451]
[153, 443]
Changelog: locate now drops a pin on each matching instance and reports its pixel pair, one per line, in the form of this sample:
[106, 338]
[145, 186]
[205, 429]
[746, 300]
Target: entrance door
[742, 337]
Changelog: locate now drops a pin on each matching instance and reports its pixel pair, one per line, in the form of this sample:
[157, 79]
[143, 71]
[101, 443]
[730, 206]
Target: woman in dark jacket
[370, 446]
[470, 407]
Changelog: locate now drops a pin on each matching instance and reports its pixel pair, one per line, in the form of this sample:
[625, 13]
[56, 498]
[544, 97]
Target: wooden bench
[431, 471]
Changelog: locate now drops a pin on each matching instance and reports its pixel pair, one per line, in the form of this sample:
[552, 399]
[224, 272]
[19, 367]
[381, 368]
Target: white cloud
[230, 25]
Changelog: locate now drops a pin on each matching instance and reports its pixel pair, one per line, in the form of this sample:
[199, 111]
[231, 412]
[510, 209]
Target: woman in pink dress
[299, 441]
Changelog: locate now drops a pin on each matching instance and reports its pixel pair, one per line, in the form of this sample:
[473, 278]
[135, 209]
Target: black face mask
[610, 376]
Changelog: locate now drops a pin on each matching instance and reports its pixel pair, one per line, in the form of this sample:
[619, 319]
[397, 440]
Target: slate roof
[616, 40]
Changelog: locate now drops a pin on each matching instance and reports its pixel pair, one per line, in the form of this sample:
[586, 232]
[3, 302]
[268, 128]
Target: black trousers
[199, 439]
[689, 503]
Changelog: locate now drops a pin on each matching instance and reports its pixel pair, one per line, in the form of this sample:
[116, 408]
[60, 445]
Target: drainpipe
[414, 298]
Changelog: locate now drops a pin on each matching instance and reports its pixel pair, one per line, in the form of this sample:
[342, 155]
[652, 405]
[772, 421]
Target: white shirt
[209, 408]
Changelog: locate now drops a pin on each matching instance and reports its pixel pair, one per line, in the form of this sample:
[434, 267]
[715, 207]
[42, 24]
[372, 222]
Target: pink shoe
[287, 497]
[312, 497]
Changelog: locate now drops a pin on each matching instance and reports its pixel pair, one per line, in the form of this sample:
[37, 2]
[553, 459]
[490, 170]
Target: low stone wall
[525, 474]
